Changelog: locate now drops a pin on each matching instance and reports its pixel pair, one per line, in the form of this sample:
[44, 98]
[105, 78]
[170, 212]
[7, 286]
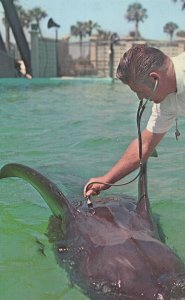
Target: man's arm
[127, 163]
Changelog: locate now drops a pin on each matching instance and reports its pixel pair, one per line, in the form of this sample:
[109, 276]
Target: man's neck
[171, 77]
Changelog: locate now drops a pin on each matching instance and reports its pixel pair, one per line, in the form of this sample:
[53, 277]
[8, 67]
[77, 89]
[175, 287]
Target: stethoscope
[140, 110]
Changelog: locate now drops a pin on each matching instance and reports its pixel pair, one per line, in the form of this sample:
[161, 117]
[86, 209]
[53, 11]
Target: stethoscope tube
[140, 111]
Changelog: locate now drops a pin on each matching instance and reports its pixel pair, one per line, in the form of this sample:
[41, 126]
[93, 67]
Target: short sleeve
[163, 116]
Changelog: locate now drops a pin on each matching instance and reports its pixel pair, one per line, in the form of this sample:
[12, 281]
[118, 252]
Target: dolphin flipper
[54, 198]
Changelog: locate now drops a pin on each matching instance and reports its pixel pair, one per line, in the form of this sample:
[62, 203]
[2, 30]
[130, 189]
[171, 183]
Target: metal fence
[85, 59]
[51, 58]
[98, 58]
[7, 64]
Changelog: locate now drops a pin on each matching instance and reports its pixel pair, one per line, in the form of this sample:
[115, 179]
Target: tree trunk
[137, 30]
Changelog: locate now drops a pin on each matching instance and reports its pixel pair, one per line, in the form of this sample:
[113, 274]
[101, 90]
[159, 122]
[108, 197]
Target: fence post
[35, 53]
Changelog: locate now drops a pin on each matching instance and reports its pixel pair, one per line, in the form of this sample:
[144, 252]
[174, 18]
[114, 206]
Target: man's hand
[94, 186]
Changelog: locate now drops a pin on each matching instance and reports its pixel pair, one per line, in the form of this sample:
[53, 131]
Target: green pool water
[71, 130]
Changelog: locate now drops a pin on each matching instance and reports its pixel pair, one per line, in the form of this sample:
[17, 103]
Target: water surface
[71, 131]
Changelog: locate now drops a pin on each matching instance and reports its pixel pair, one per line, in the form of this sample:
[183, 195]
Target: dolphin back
[54, 198]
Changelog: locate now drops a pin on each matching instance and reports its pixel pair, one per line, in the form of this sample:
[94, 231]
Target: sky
[109, 14]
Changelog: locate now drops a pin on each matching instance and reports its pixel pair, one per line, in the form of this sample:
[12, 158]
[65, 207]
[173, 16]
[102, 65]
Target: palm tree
[170, 28]
[90, 26]
[23, 15]
[81, 29]
[136, 13]
[104, 35]
[181, 34]
[183, 3]
[36, 14]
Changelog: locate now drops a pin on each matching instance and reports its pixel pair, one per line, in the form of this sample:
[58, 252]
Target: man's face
[144, 92]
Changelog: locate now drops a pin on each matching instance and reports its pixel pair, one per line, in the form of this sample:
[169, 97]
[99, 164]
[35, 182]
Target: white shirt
[164, 114]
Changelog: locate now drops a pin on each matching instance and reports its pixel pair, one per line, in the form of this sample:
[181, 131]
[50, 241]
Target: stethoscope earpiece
[155, 85]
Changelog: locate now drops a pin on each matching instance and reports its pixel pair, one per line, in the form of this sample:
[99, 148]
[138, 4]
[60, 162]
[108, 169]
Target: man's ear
[154, 76]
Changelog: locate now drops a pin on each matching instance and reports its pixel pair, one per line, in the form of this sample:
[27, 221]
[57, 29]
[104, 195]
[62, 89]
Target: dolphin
[115, 250]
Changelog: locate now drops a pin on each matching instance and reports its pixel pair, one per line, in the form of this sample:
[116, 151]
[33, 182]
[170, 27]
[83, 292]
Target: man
[150, 74]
